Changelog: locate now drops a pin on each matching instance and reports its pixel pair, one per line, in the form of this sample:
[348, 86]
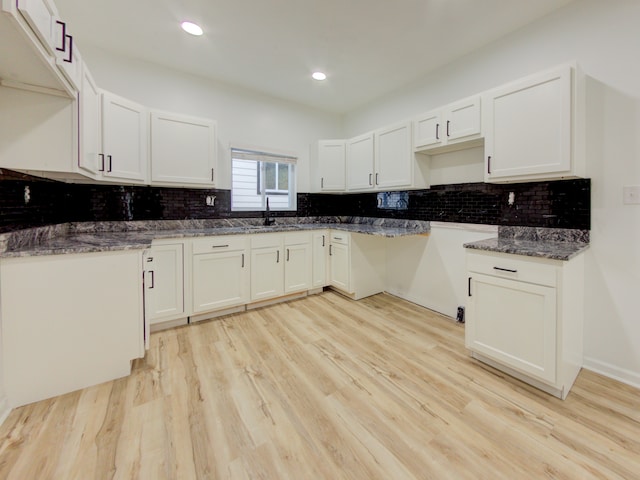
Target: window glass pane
[255, 178]
[270, 175]
[283, 177]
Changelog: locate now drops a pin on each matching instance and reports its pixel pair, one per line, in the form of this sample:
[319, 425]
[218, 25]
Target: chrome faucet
[267, 219]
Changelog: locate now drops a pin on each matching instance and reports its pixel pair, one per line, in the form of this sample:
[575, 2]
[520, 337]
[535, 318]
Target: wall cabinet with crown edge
[535, 127]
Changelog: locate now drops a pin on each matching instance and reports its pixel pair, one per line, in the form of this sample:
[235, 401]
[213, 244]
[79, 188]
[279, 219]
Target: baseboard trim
[612, 371]
[5, 410]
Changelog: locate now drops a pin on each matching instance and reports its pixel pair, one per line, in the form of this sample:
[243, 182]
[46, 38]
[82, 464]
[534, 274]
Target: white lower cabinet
[320, 261]
[69, 321]
[267, 267]
[220, 273]
[524, 316]
[163, 283]
[357, 263]
[297, 262]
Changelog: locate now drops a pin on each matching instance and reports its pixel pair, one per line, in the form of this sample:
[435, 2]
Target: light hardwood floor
[324, 388]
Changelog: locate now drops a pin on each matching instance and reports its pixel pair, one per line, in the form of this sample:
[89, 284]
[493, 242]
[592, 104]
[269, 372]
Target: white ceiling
[367, 48]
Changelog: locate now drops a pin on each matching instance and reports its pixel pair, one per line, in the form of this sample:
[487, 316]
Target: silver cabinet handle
[219, 246]
[505, 269]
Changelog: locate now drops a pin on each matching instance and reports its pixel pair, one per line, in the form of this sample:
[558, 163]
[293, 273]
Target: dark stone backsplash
[558, 204]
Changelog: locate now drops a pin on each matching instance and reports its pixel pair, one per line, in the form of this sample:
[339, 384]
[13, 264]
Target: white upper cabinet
[380, 160]
[90, 125]
[183, 150]
[330, 165]
[448, 128]
[360, 160]
[393, 157]
[534, 128]
[124, 139]
[37, 51]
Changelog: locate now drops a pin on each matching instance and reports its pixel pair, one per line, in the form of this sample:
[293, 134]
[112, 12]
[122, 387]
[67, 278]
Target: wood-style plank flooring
[324, 388]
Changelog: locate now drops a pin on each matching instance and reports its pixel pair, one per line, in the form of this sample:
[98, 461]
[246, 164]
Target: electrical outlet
[631, 194]
[210, 200]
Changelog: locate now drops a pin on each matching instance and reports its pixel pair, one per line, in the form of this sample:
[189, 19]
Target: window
[258, 176]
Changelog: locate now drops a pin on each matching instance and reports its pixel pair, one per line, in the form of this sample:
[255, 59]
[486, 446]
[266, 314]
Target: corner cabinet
[534, 128]
[360, 162]
[183, 150]
[524, 316]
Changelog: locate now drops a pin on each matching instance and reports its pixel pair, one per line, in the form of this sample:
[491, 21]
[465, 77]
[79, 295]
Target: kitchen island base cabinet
[524, 316]
[69, 321]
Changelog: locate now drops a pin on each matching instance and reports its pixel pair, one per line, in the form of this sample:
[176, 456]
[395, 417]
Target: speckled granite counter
[553, 243]
[111, 236]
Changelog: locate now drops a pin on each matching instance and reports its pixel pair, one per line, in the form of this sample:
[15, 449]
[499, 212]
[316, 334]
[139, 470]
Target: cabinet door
[360, 159]
[163, 283]
[427, 130]
[463, 119]
[183, 149]
[320, 258]
[297, 268]
[68, 57]
[513, 323]
[219, 280]
[41, 17]
[529, 127]
[267, 273]
[90, 125]
[394, 158]
[331, 165]
[124, 138]
[340, 266]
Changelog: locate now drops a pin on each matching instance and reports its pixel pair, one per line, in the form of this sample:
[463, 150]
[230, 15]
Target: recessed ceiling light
[191, 28]
[319, 76]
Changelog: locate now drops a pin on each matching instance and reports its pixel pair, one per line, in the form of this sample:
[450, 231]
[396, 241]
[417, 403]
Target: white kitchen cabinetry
[393, 157]
[360, 162]
[220, 272]
[320, 267]
[357, 264]
[90, 158]
[297, 262]
[524, 316]
[267, 266]
[329, 162]
[534, 128]
[124, 139]
[36, 49]
[448, 128]
[381, 159]
[163, 283]
[183, 150]
[69, 321]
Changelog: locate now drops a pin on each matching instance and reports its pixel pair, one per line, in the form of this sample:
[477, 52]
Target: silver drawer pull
[505, 270]
[219, 246]
[337, 238]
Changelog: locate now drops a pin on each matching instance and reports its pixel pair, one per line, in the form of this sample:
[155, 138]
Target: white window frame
[258, 202]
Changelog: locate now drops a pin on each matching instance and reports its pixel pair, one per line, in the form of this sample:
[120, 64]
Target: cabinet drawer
[223, 243]
[540, 271]
[340, 237]
[297, 238]
[265, 240]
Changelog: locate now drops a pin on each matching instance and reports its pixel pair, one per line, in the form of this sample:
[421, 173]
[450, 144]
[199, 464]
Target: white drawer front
[220, 243]
[265, 240]
[297, 238]
[540, 271]
[340, 237]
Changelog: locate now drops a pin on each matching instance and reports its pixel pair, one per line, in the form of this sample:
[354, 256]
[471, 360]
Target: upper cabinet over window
[534, 128]
[37, 50]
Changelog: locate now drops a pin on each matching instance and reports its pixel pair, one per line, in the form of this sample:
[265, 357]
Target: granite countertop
[553, 243]
[112, 236]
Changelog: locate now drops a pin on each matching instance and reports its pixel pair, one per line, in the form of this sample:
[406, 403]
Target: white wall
[603, 37]
[243, 117]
